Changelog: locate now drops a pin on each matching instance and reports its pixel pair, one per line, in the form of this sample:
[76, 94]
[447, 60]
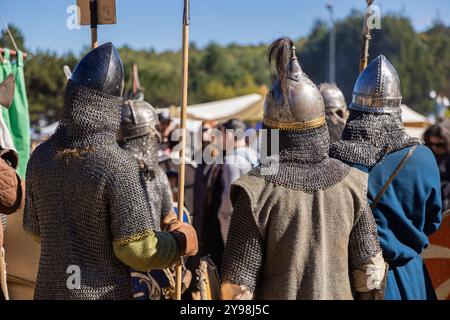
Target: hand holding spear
[364, 58]
[184, 96]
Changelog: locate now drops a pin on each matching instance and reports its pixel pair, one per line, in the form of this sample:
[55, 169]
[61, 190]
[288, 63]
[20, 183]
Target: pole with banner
[182, 166]
[94, 23]
[94, 13]
[364, 58]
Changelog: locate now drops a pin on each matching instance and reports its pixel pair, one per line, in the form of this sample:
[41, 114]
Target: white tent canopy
[415, 123]
[246, 108]
[191, 125]
[218, 110]
[411, 116]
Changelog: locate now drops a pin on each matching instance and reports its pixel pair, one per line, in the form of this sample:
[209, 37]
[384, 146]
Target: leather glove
[165, 222]
[186, 237]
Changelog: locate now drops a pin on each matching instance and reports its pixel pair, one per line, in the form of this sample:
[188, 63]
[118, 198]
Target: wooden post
[184, 96]
[135, 79]
[96, 12]
[94, 22]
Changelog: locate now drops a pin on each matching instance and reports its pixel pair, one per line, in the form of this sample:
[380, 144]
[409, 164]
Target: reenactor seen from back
[86, 200]
[404, 189]
[301, 227]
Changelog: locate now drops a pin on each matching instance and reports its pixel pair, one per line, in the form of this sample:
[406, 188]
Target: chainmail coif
[303, 163]
[368, 138]
[145, 151]
[85, 193]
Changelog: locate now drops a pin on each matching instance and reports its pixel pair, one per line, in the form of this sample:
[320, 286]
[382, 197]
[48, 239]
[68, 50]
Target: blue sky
[156, 23]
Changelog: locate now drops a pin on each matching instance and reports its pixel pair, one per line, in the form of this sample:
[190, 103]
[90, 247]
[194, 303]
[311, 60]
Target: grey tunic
[305, 238]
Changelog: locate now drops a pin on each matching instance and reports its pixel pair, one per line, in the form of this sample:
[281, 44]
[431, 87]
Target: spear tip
[186, 13]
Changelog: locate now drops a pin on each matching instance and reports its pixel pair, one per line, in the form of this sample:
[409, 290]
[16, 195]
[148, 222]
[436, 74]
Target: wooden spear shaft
[364, 58]
[94, 22]
[184, 96]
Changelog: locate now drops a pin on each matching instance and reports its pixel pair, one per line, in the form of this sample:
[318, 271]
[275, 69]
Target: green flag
[17, 118]
[6, 70]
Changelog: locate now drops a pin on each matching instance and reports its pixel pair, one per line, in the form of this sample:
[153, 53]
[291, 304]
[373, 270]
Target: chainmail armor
[145, 151]
[303, 162]
[243, 255]
[85, 193]
[363, 242]
[368, 138]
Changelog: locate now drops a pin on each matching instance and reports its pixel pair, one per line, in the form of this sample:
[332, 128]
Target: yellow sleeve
[155, 251]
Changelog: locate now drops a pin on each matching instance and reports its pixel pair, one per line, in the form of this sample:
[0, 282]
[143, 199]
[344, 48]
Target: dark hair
[172, 174]
[439, 129]
[234, 124]
[163, 119]
[171, 144]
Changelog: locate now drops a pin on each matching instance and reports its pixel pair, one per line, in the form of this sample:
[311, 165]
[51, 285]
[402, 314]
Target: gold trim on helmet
[303, 125]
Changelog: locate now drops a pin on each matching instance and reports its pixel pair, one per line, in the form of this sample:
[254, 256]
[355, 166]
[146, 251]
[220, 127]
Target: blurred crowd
[437, 138]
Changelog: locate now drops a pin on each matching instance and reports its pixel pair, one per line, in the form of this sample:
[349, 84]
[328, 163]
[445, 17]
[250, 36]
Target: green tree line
[220, 72]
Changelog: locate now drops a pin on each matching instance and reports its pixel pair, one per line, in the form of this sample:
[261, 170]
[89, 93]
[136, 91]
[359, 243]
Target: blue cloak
[406, 215]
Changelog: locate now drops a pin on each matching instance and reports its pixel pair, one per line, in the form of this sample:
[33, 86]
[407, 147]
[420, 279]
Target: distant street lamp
[332, 49]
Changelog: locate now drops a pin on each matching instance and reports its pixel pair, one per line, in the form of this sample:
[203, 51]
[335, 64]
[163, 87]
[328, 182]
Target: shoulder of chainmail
[244, 251]
[305, 178]
[110, 161]
[357, 181]
[364, 242]
[367, 138]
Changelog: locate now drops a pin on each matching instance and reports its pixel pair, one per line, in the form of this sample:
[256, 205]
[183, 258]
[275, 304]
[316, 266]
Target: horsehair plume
[278, 54]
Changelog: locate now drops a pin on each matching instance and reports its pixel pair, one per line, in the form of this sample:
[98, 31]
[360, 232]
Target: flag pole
[364, 57]
[182, 166]
[94, 22]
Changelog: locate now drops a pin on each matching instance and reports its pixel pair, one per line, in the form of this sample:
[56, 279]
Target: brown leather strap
[392, 177]
[10, 156]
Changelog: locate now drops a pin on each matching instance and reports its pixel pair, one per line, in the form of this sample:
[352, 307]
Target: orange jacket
[12, 188]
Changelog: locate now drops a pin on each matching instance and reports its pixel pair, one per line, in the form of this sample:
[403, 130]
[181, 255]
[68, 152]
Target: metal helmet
[332, 96]
[101, 69]
[294, 102]
[138, 119]
[7, 88]
[377, 89]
